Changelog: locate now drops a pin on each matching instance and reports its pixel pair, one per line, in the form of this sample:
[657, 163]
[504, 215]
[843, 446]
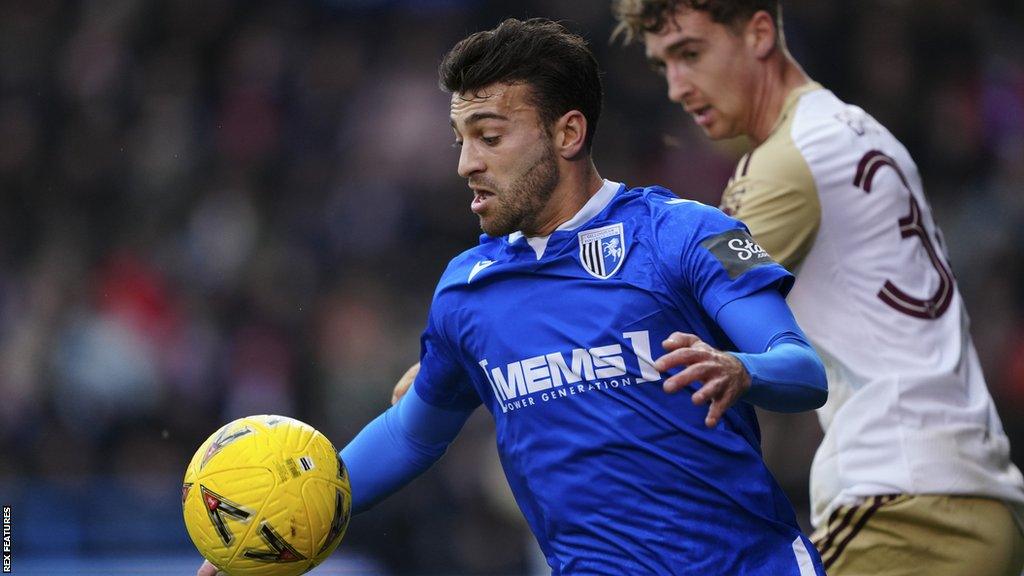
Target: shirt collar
[592, 208]
[589, 210]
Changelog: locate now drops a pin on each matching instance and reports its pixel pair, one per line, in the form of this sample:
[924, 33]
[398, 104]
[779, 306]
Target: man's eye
[457, 144]
[690, 56]
[490, 140]
[658, 67]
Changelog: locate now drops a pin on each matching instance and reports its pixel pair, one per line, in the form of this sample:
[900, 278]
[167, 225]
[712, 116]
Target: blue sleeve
[442, 380]
[397, 446]
[718, 260]
[786, 374]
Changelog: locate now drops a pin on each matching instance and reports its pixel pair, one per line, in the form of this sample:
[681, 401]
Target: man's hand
[724, 376]
[207, 569]
[404, 383]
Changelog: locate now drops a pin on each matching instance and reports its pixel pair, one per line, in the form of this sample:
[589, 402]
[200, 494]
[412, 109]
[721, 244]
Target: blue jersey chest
[575, 320]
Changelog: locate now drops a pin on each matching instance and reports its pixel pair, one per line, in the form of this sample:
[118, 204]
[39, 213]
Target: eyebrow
[675, 47]
[478, 116]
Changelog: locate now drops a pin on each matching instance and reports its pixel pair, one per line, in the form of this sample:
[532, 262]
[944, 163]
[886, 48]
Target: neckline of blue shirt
[516, 241]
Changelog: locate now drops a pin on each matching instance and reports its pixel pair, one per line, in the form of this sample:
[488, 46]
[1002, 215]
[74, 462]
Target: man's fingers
[691, 374]
[709, 392]
[679, 340]
[714, 414]
[717, 409]
[207, 569]
[714, 392]
[680, 357]
[722, 375]
[722, 397]
[404, 383]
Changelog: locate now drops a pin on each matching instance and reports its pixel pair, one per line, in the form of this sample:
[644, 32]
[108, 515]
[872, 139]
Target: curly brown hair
[638, 16]
[558, 66]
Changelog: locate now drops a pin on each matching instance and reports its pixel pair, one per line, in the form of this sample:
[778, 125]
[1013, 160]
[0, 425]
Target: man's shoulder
[813, 120]
[463, 267]
[826, 129]
[833, 137]
[660, 202]
[676, 223]
[819, 133]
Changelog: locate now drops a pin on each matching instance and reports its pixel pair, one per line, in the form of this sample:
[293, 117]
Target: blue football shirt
[614, 475]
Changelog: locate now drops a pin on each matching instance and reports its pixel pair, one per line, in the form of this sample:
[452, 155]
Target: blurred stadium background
[219, 208]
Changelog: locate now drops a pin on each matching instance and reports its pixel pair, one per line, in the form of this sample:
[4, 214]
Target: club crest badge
[602, 250]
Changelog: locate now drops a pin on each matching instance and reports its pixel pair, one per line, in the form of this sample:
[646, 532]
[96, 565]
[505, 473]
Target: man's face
[506, 155]
[709, 70]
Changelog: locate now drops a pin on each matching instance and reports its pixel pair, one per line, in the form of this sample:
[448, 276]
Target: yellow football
[266, 496]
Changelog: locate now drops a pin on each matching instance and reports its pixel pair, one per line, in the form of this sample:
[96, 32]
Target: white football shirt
[835, 197]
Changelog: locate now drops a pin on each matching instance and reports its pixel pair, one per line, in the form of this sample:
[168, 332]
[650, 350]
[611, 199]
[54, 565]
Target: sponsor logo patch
[737, 252]
[559, 374]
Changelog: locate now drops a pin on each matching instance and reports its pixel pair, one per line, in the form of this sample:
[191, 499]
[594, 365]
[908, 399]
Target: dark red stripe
[859, 176]
[833, 533]
[936, 306]
[879, 501]
[746, 163]
[869, 164]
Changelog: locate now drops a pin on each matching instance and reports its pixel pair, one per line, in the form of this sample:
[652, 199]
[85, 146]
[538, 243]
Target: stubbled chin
[715, 132]
[487, 226]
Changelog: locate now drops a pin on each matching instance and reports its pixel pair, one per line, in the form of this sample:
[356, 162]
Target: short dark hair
[558, 66]
[638, 16]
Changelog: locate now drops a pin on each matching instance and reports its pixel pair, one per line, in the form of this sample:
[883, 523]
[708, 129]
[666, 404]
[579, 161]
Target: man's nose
[679, 85]
[469, 161]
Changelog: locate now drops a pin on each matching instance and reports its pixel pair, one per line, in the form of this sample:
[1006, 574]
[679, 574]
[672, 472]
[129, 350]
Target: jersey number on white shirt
[910, 225]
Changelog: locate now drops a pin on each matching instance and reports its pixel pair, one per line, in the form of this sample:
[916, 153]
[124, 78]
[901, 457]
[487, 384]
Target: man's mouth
[701, 115]
[481, 198]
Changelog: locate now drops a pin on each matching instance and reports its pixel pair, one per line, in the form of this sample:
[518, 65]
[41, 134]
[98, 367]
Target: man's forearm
[785, 372]
[786, 378]
[397, 446]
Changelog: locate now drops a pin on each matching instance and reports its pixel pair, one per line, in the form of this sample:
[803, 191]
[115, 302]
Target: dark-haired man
[914, 475]
[553, 323]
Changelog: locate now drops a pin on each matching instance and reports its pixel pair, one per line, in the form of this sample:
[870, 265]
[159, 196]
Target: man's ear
[570, 134]
[761, 34]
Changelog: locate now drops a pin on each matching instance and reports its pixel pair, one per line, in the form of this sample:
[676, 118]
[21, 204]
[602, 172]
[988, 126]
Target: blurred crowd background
[220, 208]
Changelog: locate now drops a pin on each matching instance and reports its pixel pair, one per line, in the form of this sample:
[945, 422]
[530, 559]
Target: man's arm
[778, 201]
[397, 446]
[775, 367]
